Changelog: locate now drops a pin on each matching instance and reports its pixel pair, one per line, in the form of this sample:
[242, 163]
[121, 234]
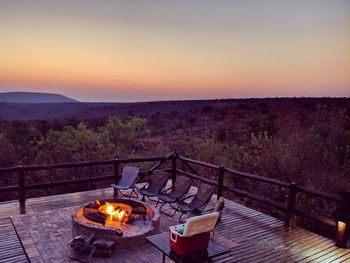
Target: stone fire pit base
[134, 234]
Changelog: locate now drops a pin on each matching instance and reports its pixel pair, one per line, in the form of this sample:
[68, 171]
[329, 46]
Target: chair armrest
[187, 197]
[167, 189]
[210, 210]
[142, 187]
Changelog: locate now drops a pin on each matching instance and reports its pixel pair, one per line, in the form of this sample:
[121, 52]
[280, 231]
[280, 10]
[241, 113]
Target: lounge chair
[175, 193]
[198, 203]
[129, 177]
[155, 185]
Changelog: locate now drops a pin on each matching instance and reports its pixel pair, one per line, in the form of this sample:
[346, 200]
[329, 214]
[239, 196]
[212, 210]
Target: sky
[167, 50]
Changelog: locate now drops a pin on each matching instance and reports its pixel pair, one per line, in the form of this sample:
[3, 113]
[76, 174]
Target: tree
[115, 138]
[8, 155]
[71, 144]
[124, 136]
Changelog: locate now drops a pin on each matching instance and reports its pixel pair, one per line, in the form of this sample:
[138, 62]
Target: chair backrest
[203, 196]
[129, 175]
[182, 185]
[158, 180]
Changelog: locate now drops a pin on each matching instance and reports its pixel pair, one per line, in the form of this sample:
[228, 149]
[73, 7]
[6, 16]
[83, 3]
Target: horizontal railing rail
[322, 219]
[80, 164]
[257, 178]
[208, 165]
[196, 177]
[327, 196]
[255, 197]
[8, 170]
[69, 182]
[12, 188]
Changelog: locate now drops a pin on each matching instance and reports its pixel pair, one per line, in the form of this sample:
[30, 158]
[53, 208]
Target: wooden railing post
[116, 175]
[174, 167]
[343, 224]
[220, 181]
[22, 190]
[290, 217]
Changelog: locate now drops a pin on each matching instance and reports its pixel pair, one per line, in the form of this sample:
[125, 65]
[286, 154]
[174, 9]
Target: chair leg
[174, 212]
[115, 193]
[133, 191]
[122, 194]
[167, 214]
[149, 198]
[182, 213]
[160, 208]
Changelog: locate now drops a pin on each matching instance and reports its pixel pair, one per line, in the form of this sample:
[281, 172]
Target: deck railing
[341, 224]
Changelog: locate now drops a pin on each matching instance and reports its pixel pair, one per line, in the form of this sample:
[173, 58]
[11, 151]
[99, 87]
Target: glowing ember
[116, 212]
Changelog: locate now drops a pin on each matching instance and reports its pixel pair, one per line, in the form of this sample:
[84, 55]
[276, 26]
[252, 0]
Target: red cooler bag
[185, 245]
[195, 236]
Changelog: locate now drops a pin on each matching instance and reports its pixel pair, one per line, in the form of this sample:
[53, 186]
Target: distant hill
[92, 110]
[33, 97]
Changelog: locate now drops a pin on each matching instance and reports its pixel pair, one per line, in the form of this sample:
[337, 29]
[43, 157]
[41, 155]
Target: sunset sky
[184, 49]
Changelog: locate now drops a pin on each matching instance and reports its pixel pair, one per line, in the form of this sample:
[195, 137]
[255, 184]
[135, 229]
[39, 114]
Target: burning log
[96, 217]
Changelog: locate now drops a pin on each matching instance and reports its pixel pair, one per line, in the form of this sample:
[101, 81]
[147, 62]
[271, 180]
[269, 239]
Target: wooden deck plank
[320, 255]
[11, 249]
[307, 247]
[262, 245]
[342, 259]
[336, 257]
[258, 250]
[321, 252]
[16, 259]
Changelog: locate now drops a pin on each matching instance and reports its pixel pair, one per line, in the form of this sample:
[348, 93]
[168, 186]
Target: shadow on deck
[253, 236]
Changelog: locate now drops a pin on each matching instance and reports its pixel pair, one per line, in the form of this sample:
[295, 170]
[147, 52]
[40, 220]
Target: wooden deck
[253, 236]
[11, 249]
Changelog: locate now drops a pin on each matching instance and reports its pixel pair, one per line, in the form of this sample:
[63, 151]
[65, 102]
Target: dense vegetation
[301, 140]
[306, 141]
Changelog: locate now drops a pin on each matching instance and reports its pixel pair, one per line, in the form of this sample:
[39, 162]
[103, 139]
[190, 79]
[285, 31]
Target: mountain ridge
[34, 97]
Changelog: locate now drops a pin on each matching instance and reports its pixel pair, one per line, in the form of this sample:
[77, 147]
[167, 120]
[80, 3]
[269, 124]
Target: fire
[114, 213]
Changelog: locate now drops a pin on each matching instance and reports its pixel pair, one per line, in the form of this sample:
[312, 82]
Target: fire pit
[127, 222]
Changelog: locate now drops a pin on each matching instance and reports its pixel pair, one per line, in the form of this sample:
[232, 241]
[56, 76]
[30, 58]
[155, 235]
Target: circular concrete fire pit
[127, 222]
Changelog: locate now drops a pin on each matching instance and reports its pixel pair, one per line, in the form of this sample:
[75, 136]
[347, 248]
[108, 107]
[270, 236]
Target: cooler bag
[195, 236]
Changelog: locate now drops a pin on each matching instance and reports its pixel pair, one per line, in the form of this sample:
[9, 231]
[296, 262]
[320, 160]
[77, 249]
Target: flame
[117, 214]
[121, 214]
